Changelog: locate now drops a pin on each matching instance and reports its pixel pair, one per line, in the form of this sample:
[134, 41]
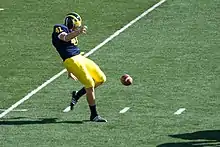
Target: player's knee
[89, 89]
[102, 79]
[90, 84]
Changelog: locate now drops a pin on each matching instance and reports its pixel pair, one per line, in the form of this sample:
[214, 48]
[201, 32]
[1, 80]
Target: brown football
[126, 80]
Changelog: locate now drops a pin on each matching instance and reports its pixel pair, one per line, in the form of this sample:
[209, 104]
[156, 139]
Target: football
[126, 80]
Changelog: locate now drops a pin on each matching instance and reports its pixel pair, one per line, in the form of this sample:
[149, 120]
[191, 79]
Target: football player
[64, 39]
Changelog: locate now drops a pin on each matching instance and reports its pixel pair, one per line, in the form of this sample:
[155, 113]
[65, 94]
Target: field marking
[86, 55]
[1, 9]
[179, 111]
[16, 110]
[124, 110]
[31, 94]
[67, 109]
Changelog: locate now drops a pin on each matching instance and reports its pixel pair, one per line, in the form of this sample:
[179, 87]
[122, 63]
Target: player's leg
[94, 70]
[90, 93]
[76, 95]
[77, 66]
[99, 78]
[97, 74]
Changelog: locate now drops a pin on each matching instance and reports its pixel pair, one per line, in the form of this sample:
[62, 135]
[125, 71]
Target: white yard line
[87, 54]
[31, 94]
[67, 109]
[179, 111]
[124, 110]
[1, 9]
[16, 110]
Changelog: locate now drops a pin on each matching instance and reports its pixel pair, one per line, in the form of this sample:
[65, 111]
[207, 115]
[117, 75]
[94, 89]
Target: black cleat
[98, 119]
[73, 101]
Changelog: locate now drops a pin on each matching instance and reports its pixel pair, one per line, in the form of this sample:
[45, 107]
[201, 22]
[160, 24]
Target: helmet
[72, 20]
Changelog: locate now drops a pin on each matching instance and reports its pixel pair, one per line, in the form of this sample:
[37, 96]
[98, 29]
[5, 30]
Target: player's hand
[83, 29]
[70, 75]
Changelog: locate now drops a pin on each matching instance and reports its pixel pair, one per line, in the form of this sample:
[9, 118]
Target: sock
[93, 111]
[80, 93]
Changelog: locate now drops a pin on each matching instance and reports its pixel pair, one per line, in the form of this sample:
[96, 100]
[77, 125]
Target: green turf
[172, 55]
[25, 42]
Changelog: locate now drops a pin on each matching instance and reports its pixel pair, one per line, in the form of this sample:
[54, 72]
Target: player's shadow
[210, 138]
[37, 121]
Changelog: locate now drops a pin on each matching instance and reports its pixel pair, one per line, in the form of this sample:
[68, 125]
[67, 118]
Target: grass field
[172, 54]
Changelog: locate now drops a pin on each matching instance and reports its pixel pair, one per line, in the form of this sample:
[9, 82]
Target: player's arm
[68, 36]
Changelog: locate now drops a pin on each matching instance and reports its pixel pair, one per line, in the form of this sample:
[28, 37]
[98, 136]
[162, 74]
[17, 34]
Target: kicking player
[64, 39]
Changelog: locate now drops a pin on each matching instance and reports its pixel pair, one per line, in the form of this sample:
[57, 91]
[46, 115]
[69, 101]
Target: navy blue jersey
[65, 49]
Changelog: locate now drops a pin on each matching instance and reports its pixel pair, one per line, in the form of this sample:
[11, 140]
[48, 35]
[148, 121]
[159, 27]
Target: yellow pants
[86, 71]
